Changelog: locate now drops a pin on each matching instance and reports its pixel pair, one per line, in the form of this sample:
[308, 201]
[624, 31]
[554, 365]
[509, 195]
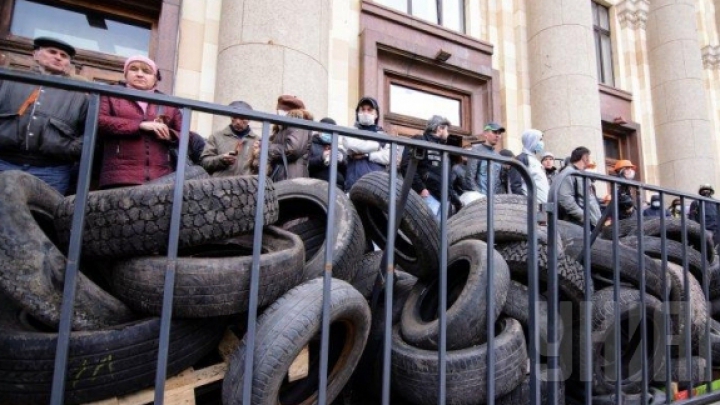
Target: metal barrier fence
[544, 378]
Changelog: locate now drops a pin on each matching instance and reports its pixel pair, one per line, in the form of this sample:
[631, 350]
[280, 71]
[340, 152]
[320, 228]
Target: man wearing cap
[428, 177]
[41, 128]
[228, 152]
[548, 163]
[476, 174]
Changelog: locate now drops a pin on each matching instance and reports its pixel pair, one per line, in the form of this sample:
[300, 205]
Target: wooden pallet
[179, 390]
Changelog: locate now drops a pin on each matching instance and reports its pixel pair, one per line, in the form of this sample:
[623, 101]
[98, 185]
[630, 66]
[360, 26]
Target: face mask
[325, 138]
[676, 208]
[540, 147]
[655, 204]
[366, 119]
[281, 113]
[629, 174]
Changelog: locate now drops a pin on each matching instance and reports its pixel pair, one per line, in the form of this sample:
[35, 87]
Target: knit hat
[328, 120]
[287, 103]
[547, 155]
[140, 58]
[434, 122]
[507, 153]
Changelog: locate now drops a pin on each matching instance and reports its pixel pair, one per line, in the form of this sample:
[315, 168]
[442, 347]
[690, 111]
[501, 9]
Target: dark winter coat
[428, 175]
[317, 166]
[711, 217]
[132, 156]
[49, 132]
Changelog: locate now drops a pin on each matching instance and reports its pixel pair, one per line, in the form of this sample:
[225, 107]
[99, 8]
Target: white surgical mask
[366, 119]
[629, 174]
[281, 113]
[655, 204]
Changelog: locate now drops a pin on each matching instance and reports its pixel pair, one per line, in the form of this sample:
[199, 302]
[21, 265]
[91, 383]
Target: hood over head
[369, 101]
[530, 138]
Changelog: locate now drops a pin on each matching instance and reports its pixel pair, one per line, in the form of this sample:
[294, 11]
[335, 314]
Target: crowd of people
[41, 132]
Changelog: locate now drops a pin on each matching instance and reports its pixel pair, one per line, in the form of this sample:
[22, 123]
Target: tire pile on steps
[113, 344]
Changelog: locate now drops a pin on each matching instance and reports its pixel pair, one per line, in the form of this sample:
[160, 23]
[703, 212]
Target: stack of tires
[120, 287]
[115, 326]
[416, 328]
[671, 295]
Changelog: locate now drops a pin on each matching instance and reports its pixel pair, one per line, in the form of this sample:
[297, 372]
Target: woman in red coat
[136, 136]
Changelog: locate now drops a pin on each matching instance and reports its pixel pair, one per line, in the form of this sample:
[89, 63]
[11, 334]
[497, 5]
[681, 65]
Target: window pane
[91, 31]
[423, 105]
[425, 9]
[400, 5]
[453, 14]
[604, 17]
[612, 148]
[595, 13]
[607, 67]
[598, 57]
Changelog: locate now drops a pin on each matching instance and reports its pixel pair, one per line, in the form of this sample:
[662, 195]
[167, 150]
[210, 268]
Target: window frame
[161, 15]
[604, 77]
[439, 12]
[415, 83]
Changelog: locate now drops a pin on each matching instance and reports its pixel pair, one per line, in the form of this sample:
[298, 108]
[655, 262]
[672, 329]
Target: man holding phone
[228, 152]
[428, 177]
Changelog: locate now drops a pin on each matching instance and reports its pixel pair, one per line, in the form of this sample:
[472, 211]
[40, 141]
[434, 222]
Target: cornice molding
[711, 57]
[633, 14]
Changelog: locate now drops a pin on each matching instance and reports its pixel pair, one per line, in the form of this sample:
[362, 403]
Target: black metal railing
[556, 345]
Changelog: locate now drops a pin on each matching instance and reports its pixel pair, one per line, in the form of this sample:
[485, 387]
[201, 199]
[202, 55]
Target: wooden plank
[179, 390]
[300, 367]
[229, 344]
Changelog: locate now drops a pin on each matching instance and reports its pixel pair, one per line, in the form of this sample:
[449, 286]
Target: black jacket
[711, 217]
[48, 132]
[316, 163]
[429, 171]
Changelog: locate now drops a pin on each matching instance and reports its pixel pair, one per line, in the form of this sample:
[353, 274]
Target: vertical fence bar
[588, 308]
[706, 293]
[169, 286]
[686, 307]
[389, 269]
[255, 271]
[442, 305]
[534, 293]
[616, 293]
[643, 298]
[666, 304]
[553, 303]
[74, 250]
[327, 274]
[490, 288]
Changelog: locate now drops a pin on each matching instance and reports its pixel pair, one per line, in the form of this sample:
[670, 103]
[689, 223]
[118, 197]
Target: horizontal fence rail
[657, 321]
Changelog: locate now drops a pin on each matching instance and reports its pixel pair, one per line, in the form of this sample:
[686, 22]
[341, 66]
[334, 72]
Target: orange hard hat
[622, 164]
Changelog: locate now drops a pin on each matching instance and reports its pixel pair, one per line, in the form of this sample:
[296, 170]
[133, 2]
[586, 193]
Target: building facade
[629, 79]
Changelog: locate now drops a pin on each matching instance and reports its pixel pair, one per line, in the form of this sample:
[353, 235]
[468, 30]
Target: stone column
[269, 48]
[685, 145]
[563, 76]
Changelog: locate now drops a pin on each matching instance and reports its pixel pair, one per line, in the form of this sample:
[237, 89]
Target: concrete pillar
[563, 76]
[269, 48]
[685, 145]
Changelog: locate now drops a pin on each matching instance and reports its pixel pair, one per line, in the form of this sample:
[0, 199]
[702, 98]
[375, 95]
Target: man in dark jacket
[477, 171]
[654, 211]
[711, 211]
[41, 128]
[319, 161]
[428, 177]
[364, 155]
